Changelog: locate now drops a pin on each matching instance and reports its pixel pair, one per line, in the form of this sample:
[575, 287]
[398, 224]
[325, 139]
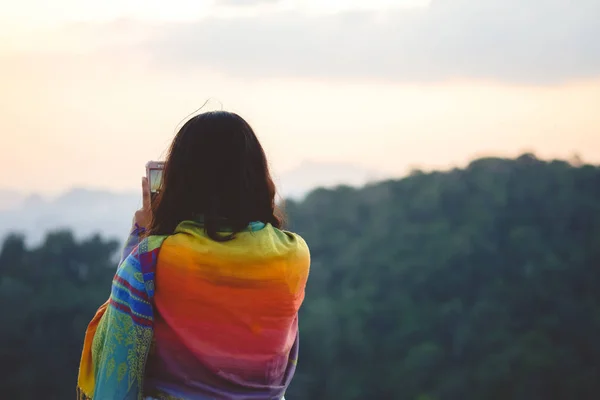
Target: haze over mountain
[87, 211]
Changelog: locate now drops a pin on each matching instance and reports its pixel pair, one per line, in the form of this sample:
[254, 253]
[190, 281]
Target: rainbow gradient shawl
[221, 323]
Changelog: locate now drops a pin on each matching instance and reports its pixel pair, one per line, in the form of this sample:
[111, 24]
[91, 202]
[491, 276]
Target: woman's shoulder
[294, 241]
[290, 236]
[266, 242]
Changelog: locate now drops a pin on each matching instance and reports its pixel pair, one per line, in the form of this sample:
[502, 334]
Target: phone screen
[155, 177]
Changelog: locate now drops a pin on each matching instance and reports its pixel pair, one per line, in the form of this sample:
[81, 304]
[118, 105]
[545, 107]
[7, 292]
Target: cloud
[245, 2]
[516, 41]
[536, 42]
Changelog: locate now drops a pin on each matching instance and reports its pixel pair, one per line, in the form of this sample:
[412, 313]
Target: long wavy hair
[215, 170]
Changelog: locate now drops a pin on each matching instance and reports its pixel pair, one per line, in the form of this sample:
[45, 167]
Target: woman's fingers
[146, 200]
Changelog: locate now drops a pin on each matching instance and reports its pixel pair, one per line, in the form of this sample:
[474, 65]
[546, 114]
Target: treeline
[48, 295]
[476, 283]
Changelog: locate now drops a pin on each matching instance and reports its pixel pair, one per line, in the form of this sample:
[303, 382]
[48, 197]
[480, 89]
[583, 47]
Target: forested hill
[479, 283]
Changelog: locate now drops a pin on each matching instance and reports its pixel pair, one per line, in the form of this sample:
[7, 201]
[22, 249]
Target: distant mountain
[83, 210]
[310, 175]
[88, 211]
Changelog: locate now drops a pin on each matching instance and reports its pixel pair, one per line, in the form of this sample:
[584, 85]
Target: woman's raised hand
[143, 216]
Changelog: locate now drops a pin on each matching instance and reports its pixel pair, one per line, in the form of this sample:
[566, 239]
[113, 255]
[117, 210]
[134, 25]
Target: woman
[204, 304]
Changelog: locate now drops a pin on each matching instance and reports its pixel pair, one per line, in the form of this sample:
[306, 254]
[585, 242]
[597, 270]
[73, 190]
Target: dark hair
[216, 170]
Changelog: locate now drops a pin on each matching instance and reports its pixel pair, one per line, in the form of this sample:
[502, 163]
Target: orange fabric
[229, 310]
[86, 379]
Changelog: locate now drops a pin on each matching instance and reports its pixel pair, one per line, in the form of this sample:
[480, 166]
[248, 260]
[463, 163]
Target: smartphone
[154, 173]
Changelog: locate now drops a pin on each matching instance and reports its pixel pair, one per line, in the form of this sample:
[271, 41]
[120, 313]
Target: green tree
[48, 294]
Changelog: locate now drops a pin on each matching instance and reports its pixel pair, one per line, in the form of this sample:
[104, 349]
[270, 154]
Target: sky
[90, 91]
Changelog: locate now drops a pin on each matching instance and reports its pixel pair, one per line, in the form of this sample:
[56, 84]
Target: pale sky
[89, 90]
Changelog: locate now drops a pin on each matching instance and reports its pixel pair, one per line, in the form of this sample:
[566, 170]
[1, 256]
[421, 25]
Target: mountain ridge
[87, 211]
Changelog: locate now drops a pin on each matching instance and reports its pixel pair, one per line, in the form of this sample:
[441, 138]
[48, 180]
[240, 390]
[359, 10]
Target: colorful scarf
[221, 324]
